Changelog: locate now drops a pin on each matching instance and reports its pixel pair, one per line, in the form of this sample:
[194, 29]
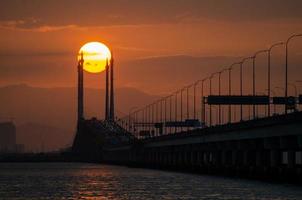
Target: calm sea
[95, 181]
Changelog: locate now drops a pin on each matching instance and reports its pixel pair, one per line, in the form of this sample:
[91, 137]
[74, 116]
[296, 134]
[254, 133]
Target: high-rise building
[7, 137]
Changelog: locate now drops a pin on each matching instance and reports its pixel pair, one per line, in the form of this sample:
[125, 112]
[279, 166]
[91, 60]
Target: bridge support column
[258, 158]
[245, 158]
[274, 158]
[234, 157]
[291, 158]
[224, 157]
[80, 89]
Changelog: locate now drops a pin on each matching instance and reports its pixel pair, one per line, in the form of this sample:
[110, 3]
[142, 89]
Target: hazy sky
[37, 36]
[158, 45]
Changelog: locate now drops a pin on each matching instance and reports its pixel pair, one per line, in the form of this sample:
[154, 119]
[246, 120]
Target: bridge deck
[279, 125]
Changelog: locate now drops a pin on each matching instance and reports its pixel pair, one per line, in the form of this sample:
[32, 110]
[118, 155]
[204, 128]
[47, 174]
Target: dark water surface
[94, 181]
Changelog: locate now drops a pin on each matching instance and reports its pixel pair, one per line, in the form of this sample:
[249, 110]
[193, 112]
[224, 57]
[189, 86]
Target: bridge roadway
[261, 148]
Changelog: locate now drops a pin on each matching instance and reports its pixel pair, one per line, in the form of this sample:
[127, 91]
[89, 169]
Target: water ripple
[66, 181]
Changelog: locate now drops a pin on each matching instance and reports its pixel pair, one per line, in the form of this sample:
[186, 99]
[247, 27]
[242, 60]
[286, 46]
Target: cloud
[20, 23]
[32, 24]
[31, 14]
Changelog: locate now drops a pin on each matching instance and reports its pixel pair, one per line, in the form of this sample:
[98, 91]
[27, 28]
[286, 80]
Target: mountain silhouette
[51, 112]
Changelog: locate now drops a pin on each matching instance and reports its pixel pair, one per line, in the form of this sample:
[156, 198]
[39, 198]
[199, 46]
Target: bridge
[197, 129]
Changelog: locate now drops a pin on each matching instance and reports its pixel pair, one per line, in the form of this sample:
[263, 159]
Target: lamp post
[241, 84]
[175, 130]
[281, 89]
[129, 116]
[219, 92]
[188, 103]
[296, 93]
[194, 98]
[265, 111]
[254, 77]
[269, 73]
[149, 119]
[274, 93]
[160, 117]
[286, 64]
[156, 114]
[230, 89]
[143, 119]
[203, 113]
[165, 114]
[170, 114]
[152, 117]
[210, 79]
[146, 118]
[181, 107]
[215, 110]
[134, 121]
[298, 90]
[161, 110]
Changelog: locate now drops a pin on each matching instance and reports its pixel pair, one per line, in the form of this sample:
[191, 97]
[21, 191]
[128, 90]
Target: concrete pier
[264, 148]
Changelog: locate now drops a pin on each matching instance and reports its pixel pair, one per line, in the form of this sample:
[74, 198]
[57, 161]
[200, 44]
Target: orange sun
[95, 55]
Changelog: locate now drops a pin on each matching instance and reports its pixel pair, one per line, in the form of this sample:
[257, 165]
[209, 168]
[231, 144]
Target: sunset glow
[95, 55]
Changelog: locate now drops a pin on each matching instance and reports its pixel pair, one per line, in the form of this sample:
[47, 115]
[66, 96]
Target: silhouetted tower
[111, 90]
[80, 89]
[107, 115]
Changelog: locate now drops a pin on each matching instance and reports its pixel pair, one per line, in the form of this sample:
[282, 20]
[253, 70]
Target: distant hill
[153, 74]
[38, 137]
[51, 112]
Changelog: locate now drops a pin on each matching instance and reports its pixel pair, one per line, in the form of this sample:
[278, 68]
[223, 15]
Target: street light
[149, 118]
[274, 93]
[188, 103]
[298, 90]
[280, 88]
[269, 72]
[210, 78]
[175, 130]
[265, 113]
[286, 64]
[129, 116]
[230, 88]
[219, 92]
[254, 80]
[216, 114]
[170, 112]
[160, 114]
[241, 84]
[194, 98]
[181, 111]
[203, 113]
[153, 118]
[135, 120]
[165, 113]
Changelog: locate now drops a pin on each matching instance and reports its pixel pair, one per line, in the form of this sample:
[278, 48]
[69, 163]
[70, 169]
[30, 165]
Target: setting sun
[95, 55]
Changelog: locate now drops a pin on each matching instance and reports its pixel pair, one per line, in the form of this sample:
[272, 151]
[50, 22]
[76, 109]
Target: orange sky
[41, 36]
[159, 46]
